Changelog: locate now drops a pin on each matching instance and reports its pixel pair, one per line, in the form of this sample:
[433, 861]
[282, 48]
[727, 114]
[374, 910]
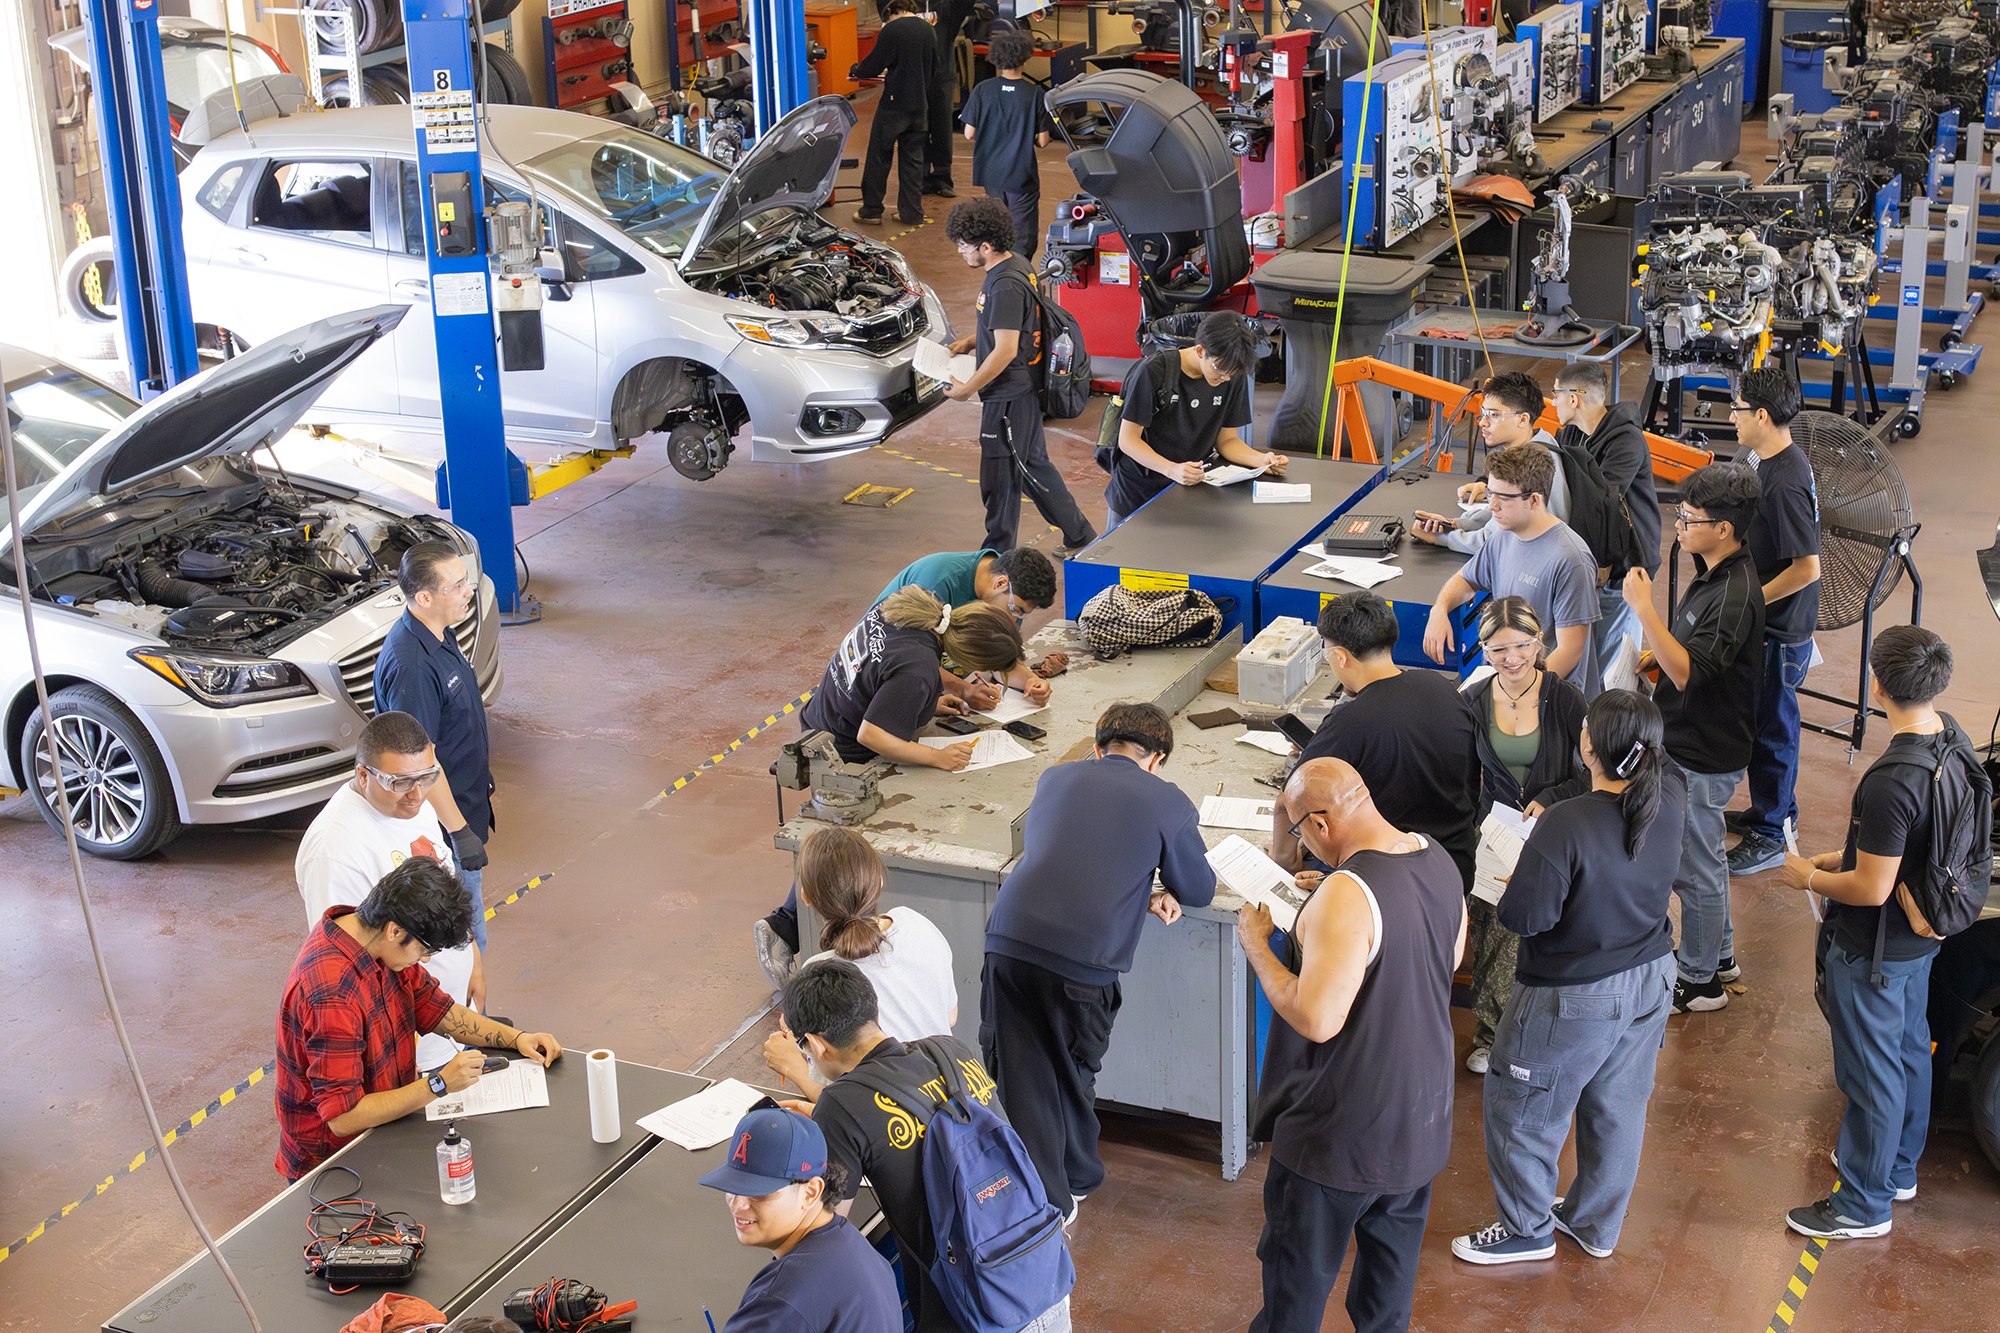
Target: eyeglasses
[428, 948]
[1734, 408]
[1492, 494]
[1527, 648]
[1681, 519]
[1495, 413]
[406, 782]
[1294, 829]
[1015, 609]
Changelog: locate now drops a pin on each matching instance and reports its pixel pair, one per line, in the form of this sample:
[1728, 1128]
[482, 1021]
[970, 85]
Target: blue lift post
[777, 57]
[475, 441]
[143, 193]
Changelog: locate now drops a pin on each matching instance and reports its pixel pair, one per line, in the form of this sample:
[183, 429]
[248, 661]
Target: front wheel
[121, 799]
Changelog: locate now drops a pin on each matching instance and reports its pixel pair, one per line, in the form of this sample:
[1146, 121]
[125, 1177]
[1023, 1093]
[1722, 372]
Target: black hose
[163, 589]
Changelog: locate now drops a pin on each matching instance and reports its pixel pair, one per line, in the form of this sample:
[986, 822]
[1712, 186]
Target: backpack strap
[912, 1100]
[1929, 763]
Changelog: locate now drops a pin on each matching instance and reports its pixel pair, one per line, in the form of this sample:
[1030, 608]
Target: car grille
[357, 669]
[278, 760]
[231, 788]
[888, 330]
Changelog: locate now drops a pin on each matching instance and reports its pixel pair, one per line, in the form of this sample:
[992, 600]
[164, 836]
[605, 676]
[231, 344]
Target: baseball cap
[769, 1150]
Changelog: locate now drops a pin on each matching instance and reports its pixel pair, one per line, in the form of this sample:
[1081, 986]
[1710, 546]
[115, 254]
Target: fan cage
[1860, 490]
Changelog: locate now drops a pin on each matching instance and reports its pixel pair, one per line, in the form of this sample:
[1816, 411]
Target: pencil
[711, 1319]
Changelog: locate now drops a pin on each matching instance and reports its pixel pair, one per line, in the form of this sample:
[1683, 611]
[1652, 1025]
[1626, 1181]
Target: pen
[1218, 789]
[711, 1319]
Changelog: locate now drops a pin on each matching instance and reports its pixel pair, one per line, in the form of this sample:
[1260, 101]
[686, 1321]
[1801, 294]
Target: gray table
[1183, 1038]
[1607, 339]
[535, 1169]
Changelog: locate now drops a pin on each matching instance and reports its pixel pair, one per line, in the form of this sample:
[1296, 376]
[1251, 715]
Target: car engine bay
[819, 270]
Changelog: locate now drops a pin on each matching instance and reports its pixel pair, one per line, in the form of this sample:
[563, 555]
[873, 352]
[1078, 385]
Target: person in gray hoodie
[1611, 433]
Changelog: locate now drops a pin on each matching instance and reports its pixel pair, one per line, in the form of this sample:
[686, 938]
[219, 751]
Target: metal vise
[842, 793]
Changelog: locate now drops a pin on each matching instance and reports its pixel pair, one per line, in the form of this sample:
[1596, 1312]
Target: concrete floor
[678, 616]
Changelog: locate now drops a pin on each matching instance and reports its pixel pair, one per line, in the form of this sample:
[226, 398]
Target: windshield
[55, 415]
[196, 69]
[653, 191]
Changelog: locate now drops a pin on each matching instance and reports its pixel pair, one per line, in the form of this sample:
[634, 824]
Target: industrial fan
[1865, 529]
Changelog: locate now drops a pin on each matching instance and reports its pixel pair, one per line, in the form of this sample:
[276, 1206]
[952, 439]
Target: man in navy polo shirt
[420, 671]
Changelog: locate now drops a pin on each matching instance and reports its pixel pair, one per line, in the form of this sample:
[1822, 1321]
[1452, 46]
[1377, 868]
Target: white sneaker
[1480, 1060]
[1902, 1196]
[1563, 1227]
[774, 956]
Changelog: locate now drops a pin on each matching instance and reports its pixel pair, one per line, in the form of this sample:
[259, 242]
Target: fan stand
[1895, 546]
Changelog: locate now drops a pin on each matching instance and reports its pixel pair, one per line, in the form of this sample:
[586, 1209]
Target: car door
[304, 242]
[560, 401]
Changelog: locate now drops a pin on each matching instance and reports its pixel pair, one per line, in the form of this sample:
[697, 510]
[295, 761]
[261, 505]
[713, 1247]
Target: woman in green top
[1526, 723]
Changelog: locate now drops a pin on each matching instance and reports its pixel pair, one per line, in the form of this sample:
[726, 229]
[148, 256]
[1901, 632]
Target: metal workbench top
[1426, 568]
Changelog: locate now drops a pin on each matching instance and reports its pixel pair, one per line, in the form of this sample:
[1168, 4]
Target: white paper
[522, 1084]
[1274, 741]
[1501, 837]
[1319, 552]
[1359, 572]
[1229, 474]
[1013, 705]
[1281, 493]
[458, 293]
[1622, 673]
[601, 1066]
[934, 359]
[1471, 506]
[989, 748]
[1237, 812]
[705, 1119]
[1254, 877]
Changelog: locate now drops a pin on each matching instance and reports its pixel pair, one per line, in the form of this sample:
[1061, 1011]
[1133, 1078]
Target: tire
[377, 23]
[97, 255]
[124, 801]
[509, 79]
[1986, 1102]
[95, 341]
[491, 10]
[384, 85]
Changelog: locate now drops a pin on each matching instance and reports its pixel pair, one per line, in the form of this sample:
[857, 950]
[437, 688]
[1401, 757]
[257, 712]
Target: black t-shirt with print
[1007, 301]
[874, 1136]
[883, 674]
[1889, 816]
[1191, 415]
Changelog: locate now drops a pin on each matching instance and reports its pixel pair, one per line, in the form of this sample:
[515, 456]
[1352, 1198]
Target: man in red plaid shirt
[354, 1004]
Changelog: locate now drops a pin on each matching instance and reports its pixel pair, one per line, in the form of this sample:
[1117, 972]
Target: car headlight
[934, 314]
[226, 682]
[777, 332]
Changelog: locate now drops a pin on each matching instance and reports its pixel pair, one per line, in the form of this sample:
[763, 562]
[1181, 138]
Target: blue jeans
[1702, 881]
[1586, 1051]
[1882, 1061]
[1112, 518]
[470, 879]
[1774, 761]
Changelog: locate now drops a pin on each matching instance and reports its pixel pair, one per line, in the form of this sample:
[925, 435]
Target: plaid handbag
[1120, 618]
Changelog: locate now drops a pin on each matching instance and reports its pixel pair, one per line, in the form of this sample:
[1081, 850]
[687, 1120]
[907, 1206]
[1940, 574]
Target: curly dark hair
[1029, 574]
[978, 222]
[1009, 50]
[423, 897]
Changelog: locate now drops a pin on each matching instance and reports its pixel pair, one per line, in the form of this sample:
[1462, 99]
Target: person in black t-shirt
[831, 1009]
[1006, 120]
[947, 22]
[1881, 1034]
[1784, 545]
[1181, 409]
[906, 52]
[1406, 732]
[1582, 1031]
[1012, 449]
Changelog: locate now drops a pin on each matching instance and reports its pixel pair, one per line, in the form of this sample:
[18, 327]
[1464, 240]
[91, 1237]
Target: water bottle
[1060, 355]
[455, 1182]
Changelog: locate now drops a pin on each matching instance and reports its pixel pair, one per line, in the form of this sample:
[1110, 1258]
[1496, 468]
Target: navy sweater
[1096, 832]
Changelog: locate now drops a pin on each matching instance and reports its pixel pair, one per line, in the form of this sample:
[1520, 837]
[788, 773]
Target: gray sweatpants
[1583, 1051]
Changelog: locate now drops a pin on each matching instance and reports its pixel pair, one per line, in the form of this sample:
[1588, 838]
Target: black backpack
[1599, 515]
[1058, 360]
[1951, 891]
[1107, 430]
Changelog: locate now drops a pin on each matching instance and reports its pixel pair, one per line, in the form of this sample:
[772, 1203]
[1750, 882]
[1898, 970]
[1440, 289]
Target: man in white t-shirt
[371, 826]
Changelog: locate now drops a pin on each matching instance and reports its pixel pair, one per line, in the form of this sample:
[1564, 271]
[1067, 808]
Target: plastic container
[455, 1182]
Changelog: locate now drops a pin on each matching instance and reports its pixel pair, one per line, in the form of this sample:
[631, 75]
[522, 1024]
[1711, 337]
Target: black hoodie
[1619, 446]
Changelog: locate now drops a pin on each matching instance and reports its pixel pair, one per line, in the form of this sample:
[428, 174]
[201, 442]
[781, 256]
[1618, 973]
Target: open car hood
[233, 408]
[794, 164]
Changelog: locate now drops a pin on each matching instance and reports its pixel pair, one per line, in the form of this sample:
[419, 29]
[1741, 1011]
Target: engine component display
[1617, 47]
[1401, 173]
[1492, 122]
[1555, 34]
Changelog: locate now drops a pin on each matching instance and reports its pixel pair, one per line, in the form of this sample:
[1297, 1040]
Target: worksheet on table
[522, 1084]
[1254, 877]
[1228, 474]
[1274, 741]
[1362, 573]
[1236, 812]
[705, 1119]
[989, 748]
[1013, 705]
[1281, 493]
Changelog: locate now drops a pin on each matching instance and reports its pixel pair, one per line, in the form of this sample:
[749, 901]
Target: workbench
[536, 1169]
[1290, 591]
[1215, 539]
[1183, 1042]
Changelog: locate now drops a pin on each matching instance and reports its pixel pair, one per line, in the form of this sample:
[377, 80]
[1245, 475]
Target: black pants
[943, 116]
[1014, 453]
[899, 131]
[1026, 206]
[1306, 1227]
[1043, 1038]
[784, 922]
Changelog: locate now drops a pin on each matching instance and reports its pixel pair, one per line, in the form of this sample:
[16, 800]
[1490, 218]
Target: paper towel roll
[603, 1067]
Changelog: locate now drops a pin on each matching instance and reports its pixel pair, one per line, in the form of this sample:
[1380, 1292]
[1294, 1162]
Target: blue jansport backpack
[1001, 1260]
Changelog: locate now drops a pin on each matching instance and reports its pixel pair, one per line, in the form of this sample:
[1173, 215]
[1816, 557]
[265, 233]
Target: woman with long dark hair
[1525, 724]
[1593, 989]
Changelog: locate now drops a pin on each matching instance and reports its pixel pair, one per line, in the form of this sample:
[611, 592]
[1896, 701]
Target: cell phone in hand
[494, 1064]
[1295, 731]
[1026, 731]
[958, 726]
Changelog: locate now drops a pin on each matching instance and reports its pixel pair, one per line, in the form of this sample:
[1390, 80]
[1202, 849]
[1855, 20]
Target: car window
[56, 414]
[412, 197]
[324, 199]
[220, 193]
[652, 191]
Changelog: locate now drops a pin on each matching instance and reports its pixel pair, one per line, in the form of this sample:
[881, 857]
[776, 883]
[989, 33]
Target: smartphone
[764, 1104]
[958, 726]
[494, 1063]
[1024, 730]
[1297, 732]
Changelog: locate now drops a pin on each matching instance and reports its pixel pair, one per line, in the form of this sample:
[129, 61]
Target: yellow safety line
[1795, 1288]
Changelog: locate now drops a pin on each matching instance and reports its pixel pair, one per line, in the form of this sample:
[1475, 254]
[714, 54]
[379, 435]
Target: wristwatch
[436, 1080]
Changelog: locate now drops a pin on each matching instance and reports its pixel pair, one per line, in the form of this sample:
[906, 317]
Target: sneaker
[1822, 1221]
[1075, 1202]
[1497, 1245]
[1726, 970]
[917, 221]
[1699, 997]
[867, 218]
[1736, 821]
[1065, 552]
[1902, 1196]
[1562, 1225]
[1480, 1060]
[774, 955]
[942, 190]
[1756, 852]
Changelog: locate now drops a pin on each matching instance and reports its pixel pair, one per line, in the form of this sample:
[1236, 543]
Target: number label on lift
[440, 80]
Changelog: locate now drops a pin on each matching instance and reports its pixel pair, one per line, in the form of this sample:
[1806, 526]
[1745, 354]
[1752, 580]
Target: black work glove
[854, 72]
[471, 852]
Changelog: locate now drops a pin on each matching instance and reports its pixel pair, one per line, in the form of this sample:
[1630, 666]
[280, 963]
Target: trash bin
[1302, 289]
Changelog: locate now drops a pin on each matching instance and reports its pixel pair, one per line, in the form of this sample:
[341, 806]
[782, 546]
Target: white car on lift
[208, 622]
[680, 297]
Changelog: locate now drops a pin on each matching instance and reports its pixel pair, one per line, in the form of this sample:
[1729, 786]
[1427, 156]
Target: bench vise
[842, 793]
